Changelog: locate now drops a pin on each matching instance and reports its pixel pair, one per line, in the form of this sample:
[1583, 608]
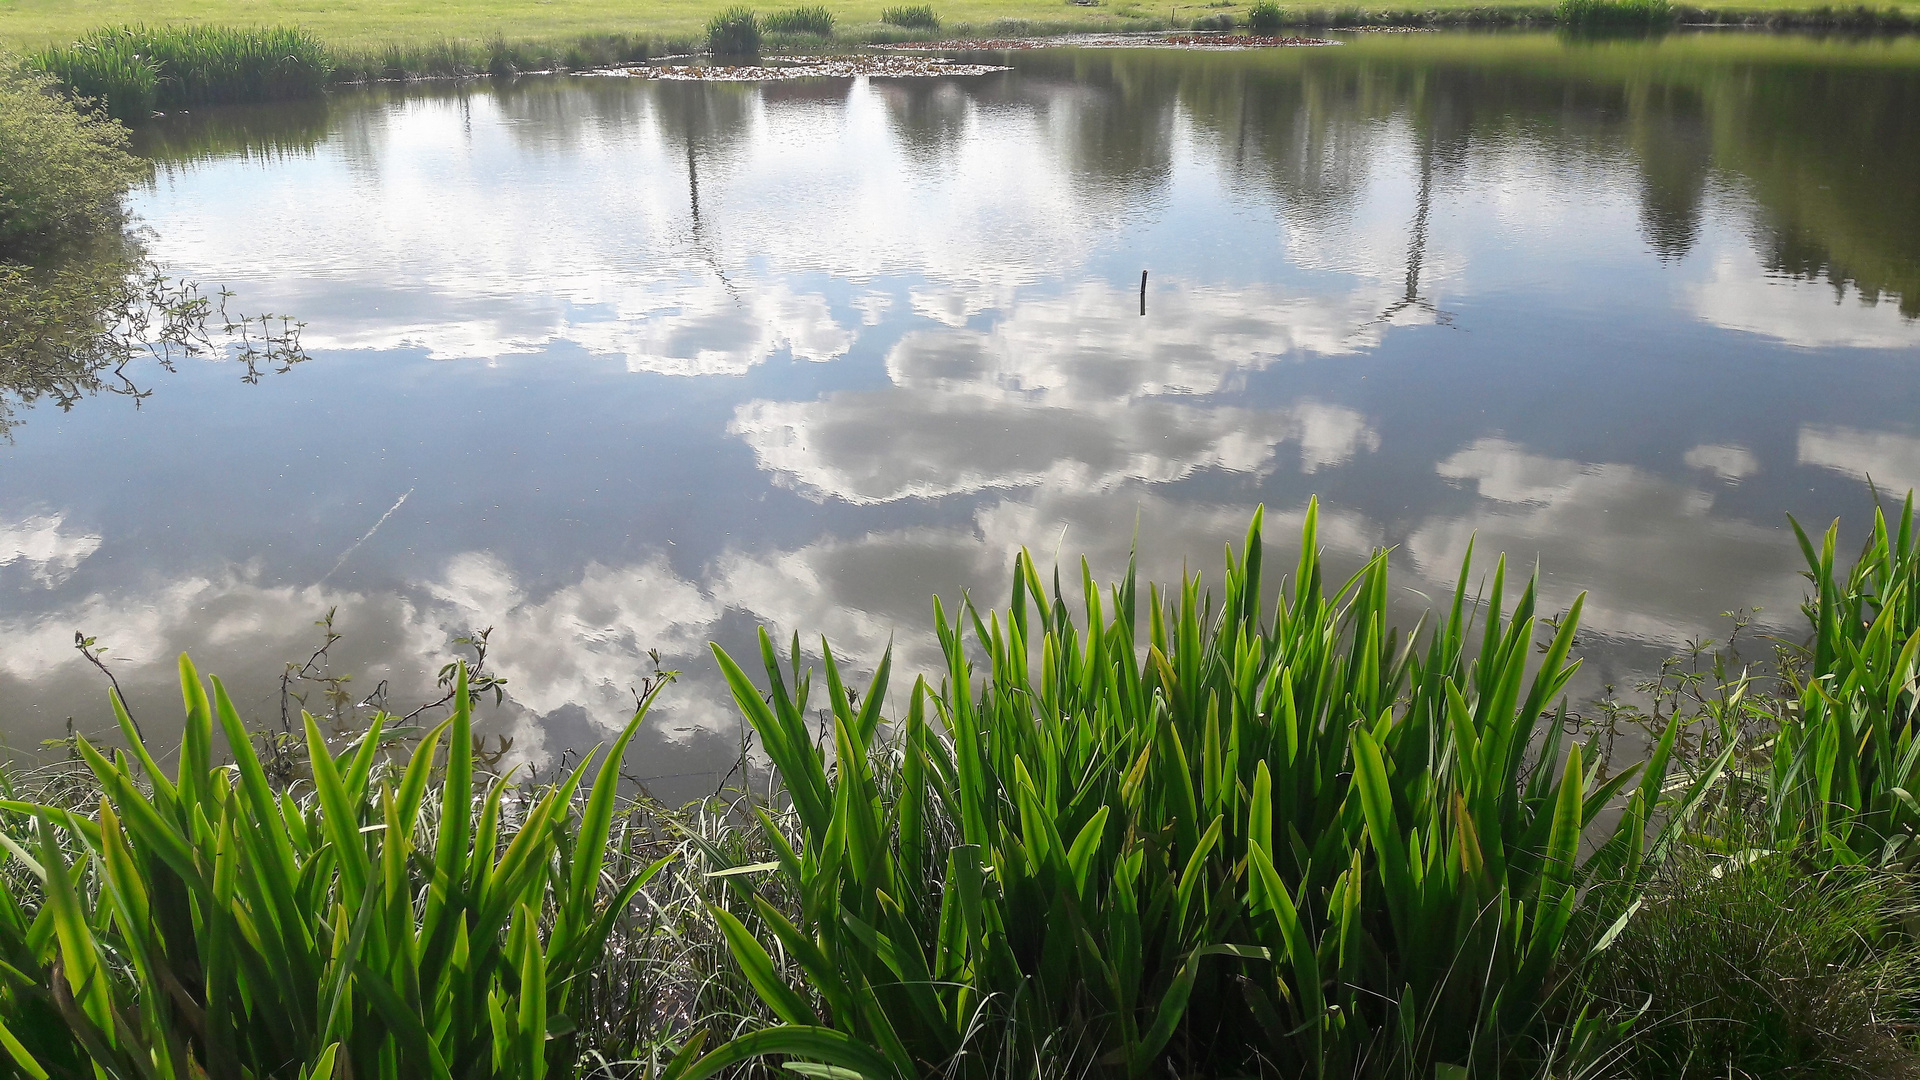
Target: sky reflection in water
[655, 363]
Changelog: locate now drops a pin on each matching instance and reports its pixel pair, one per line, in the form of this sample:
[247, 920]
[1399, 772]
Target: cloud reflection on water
[45, 548]
[1076, 391]
[1658, 563]
[966, 254]
[1809, 314]
[1654, 557]
[1888, 460]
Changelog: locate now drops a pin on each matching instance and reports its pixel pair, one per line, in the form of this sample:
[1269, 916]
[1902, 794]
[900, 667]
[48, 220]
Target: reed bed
[211, 922]
[815, 19]
[134, 70]
[1265, 17]
[1614, 13]
[912, 17]
[131, 72]
[458, 58]
[1197, 838]
[1845, 761]
[733, 33]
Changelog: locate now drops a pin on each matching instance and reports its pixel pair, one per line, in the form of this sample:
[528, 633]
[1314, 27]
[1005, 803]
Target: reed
[1845, 761]
[813, 19]
[1614, 13]
[134, 70]
[1265, 17]
[1216, 843]
[734, 32]
[445, 58]
[912, 17]
[205, 923]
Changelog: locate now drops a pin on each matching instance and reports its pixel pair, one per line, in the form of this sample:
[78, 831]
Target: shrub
[734, 32]
[815, 19]
[913, 17]
[62, 172]
[66, 326]
[133, 70]
[1297, 846]
[1265, 17]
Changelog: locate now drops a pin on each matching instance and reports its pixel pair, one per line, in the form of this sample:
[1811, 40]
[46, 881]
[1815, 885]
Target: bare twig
[93, 651]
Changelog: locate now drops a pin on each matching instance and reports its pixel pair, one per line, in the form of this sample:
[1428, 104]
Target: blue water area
[617, 367]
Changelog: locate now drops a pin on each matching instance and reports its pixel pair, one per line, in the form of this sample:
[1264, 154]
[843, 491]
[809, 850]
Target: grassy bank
[134, 69]
[1124, 833]
[360, 28]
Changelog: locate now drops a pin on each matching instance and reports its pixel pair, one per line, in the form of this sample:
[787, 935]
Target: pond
[614, 366]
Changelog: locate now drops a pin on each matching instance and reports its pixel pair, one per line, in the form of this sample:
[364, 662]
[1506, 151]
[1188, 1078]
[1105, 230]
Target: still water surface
[612, 366]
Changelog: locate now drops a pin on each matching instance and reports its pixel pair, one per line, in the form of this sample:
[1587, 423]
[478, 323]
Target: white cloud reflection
[49, 552]
[576, 643]
[868, 448]
[489, 226]
[1890, 461]
[1740, 295]
[689, 325]
[582, 644]
[1730, 463]
[1657, 563]
[1077, 390]
[214, 616]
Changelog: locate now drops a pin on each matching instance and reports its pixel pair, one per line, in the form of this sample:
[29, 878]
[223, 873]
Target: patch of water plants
[813, 19]
[1601, 14]
[1265, 17]
[232, 929]
[1120, 834]
[734, 33]
[911, 17]
[1221, 841]
[130, 72]
[134, 70]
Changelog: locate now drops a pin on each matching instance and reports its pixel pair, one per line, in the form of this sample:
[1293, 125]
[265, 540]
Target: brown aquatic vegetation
[1104, 41]
[1241, 41]
[780, 68]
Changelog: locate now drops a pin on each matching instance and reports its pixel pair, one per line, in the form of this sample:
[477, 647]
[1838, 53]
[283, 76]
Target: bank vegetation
[1126, 831]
